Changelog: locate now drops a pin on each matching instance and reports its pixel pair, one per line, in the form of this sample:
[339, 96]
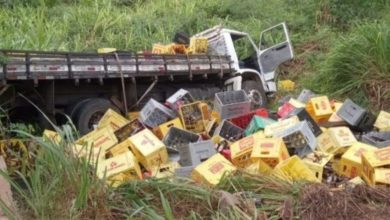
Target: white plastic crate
[181, 97]
[155, 113]
[230, 104]
[299, 138]
[177, 139]
[229, 131]
[197, 153]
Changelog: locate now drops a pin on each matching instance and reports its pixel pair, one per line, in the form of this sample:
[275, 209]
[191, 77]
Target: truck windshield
[246, 53]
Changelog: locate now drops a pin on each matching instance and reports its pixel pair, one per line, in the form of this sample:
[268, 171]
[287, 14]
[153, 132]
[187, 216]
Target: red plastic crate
[285, 109]
[243, 121]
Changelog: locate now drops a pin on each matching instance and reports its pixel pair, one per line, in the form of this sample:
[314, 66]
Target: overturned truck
[84, 85]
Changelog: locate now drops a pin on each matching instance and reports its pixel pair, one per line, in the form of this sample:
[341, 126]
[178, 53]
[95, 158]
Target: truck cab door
[275, 48]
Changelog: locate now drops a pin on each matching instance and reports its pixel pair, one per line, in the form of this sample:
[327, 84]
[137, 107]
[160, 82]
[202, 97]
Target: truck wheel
[90, 113]
[255, 92]
[73, 110]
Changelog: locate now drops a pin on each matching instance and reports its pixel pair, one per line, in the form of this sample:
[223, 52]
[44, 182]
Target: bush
[358, 66]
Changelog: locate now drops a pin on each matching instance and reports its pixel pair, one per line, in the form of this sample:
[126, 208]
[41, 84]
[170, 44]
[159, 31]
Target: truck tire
[89, 114]
[73, 110]
[255, 92]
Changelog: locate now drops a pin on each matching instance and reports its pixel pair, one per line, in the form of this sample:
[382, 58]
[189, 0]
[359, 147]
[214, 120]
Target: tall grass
[358, 66]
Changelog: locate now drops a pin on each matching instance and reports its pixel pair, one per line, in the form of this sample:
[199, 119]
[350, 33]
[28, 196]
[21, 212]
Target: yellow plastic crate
[382, 122]
[286, 85]
[112, 119]
[215, 115]
[258, 167]
[351, 161]
[163, 129]
[118, 149]
[210, 127]
[342, 136]
[163, 49]
[319, 108]
[100, 138]
[192, 117]
[198, 45]
[132, 115]
[148, 149]
[373, 160]
[274, 128]
[316, 162]
[294, 169]
[241, 150]
[270, 150]
[212, 170]
[165, 170]
[122, 164]
[382, 176]
[52, 136]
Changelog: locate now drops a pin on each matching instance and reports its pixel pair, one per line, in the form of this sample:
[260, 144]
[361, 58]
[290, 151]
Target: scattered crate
[256, 124]
[210, 127]
[230, 104]
[303, 115]
[305, 96]
[243, 121]
[227, 131]
[177, 139]
[351, 161]
[277, 127]
[241, 150]
[316, 162]
[154, 113]
[148, 149]
[113, 119]
[192, 117]
[319, 108]
[285, 110]
[356, 116]
[179, 98]
[165, 170]
[198, 45]
[376, 166]
[299, 139]
[212, 170]
[196, 153]
[270, 150]
[184, 171]
[382, 122]
[129, 129]
[294, 169]
[377, 139]
[163, 129]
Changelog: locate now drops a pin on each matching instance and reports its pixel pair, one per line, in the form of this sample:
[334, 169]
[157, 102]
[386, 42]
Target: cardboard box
[113, 119]
[212, 170]
[382, 122]
[270, 150]
[163, 129]
[319, 108]
[52, 136]
[351, 161]
[148, 149]
[277, 127]
[316, 162]
[375, 164]
[122, 164]
[241, 150]
[294, 169]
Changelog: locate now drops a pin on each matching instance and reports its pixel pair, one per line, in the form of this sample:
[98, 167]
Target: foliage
[358, 66]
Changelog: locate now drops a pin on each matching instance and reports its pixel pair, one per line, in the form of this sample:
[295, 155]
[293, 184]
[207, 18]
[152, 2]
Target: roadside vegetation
[342, 49]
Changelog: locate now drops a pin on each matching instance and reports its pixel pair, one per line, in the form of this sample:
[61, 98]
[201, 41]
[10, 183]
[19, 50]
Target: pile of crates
[308, 138]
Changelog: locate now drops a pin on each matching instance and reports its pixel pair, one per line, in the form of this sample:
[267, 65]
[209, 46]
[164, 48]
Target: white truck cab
[255, 65]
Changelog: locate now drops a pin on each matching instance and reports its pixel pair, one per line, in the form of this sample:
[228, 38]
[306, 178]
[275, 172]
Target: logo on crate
[359, 152]
[98, 142]
[216, 168]
[267, 145]
[383, 154]
[114, 165]
[147, 141]
[246, 143]
[114, 125]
